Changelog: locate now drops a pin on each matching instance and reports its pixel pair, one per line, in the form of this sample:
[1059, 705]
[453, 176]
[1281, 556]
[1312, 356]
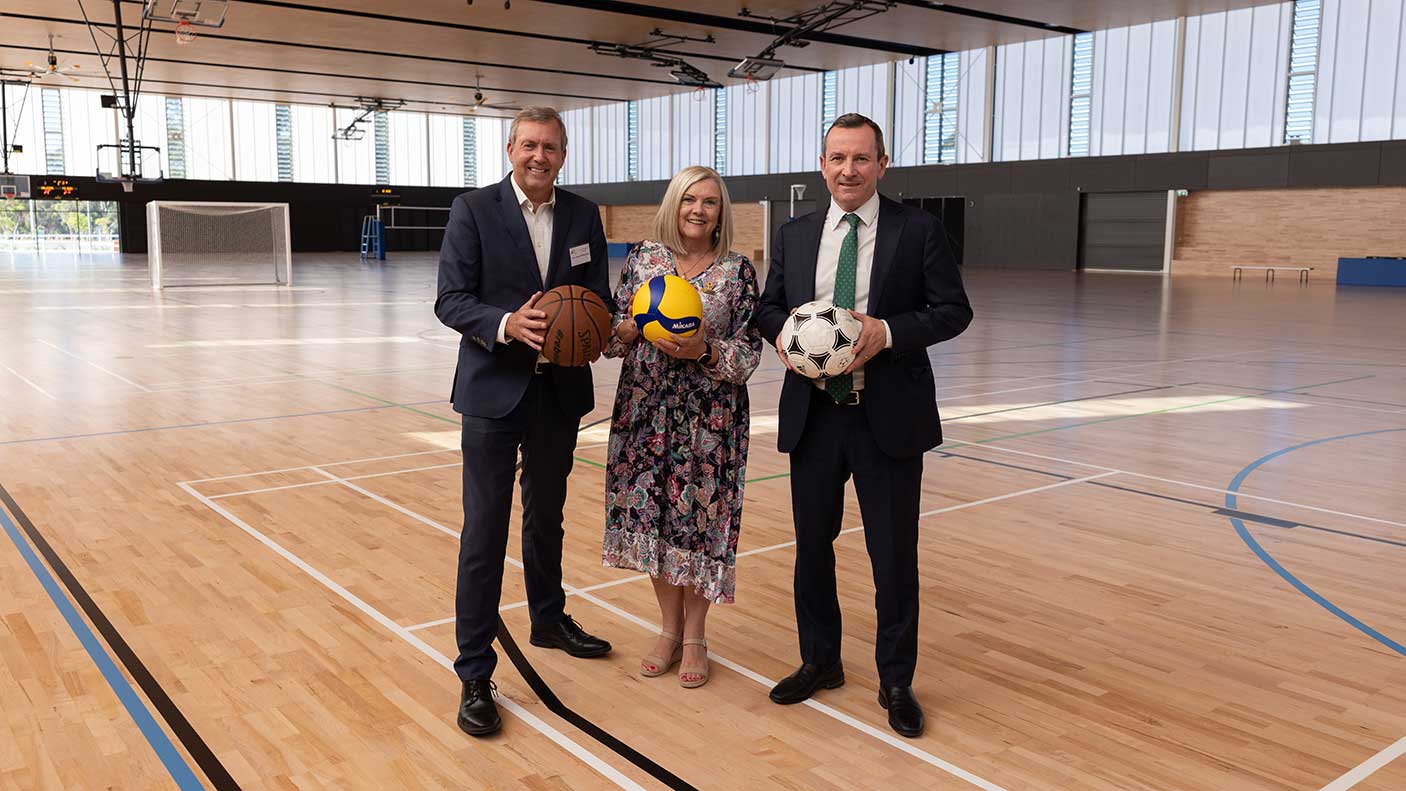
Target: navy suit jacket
[914, 285]
[487, 268]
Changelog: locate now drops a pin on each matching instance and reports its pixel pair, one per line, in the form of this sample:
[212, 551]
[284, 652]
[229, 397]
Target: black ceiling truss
[744, 23]
[948, 8]
[683, 72]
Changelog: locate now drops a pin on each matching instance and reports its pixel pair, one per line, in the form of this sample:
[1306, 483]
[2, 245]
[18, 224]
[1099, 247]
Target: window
[383, 148]
[175, 138]
[470, 152]
[53, 131]
[940, 114]
[632, 141]
[720, 130]
[1081, 89]
[283, 130]
[829, 101]
[1303, 71]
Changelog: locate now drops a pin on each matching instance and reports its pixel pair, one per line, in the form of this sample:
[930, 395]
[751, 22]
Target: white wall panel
[905, 139]
[1361, 73]
[609, 146]
[312, 144]
[971, 112]
[1132, 95]
[409, 149]
[865, 90]
[446, 142]
[1032, 99]
[580, 148]
[492, 137]
[693, 128]
[795, 123]
[208, 150]
[1234, 78]
[747, 129]
[655, 139]
[255, 141]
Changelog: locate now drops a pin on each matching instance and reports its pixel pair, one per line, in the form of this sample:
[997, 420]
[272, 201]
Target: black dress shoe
[478, 715]
[569, 637]
[803, 683]
[905, 715]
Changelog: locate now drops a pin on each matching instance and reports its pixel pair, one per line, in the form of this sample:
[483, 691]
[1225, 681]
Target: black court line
[544, 693]
[204, 757]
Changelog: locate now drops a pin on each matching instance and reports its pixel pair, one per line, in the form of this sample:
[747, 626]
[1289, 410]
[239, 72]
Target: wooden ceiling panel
[430, 53]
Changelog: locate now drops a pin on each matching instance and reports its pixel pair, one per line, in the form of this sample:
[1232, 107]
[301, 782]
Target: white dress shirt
[827, 263]
[539, 227]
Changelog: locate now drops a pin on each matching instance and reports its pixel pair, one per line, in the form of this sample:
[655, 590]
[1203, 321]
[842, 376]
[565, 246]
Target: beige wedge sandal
[699, 672]
[652, 666]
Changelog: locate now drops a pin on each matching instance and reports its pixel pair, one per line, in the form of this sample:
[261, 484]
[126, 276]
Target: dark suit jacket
[487, 269]
[914, 285]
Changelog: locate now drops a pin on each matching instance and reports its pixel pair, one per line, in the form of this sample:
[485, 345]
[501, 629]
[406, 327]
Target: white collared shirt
[539, 228]
[827, 263]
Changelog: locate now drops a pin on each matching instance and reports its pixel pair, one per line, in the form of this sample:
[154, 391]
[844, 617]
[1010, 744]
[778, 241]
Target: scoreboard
[54, 189]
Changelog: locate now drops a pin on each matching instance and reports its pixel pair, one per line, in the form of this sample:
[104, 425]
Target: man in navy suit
[503, 247]
[872, 423]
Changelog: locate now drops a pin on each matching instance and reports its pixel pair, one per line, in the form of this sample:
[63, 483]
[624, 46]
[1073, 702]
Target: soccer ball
[819, 339]
[667, 304]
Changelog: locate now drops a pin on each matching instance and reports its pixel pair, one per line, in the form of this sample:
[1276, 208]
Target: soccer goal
[218, 244]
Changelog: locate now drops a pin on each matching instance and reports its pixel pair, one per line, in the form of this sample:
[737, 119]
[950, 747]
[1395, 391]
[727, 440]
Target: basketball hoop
[751, 85]
[185, 32]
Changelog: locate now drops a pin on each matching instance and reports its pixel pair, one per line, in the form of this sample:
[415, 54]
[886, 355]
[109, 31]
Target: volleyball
[667, 304]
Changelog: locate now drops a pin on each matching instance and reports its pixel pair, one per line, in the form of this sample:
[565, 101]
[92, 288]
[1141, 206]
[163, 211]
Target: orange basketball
[578, 325]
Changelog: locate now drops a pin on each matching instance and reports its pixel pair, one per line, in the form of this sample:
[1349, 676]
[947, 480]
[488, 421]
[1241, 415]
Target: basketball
[578, 325]
[819, 339]
[667, 304]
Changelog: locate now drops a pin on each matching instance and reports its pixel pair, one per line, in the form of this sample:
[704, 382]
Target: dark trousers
[547, 438]
[837, 445]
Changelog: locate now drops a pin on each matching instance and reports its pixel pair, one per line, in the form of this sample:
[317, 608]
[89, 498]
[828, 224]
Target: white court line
[1101, 370]
[325, 464]
[1366, 768]
[1174, 481]
[26, 381]
[846, 531]
[335, 480]
[863, 727]
[590, 759]
[95, 365]
[274, 379]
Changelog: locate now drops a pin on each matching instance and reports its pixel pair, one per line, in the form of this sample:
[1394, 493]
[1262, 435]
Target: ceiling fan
[480, 101]
[51, 66]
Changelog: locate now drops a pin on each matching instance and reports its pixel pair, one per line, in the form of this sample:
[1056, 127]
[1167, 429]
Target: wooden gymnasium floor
[1162, 549]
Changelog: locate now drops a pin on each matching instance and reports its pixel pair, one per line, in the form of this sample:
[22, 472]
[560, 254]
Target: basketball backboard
[14, 187]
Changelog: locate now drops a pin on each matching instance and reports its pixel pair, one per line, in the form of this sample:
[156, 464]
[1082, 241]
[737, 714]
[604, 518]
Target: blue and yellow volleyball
[667, 304]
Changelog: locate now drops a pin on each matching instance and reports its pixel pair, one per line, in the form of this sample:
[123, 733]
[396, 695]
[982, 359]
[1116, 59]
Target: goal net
[218, 244]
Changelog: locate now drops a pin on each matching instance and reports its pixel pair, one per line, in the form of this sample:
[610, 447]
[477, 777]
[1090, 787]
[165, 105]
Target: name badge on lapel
[580, 254]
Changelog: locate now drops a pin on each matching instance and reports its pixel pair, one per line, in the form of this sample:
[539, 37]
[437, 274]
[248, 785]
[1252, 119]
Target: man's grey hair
[540, 115]
[854, 121]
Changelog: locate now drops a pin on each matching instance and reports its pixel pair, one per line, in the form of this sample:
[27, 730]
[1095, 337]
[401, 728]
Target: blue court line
[174, 762]
[1230, 499]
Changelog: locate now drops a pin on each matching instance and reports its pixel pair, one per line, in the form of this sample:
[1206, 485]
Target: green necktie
[839, 386]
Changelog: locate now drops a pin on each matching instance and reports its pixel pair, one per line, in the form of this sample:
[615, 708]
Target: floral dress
[678, 438]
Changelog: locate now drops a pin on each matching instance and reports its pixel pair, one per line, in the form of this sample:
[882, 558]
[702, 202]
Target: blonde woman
[678, 438]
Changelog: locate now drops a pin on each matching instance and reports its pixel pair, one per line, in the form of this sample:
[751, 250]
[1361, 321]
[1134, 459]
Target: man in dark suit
[503, 247]
[872, 423]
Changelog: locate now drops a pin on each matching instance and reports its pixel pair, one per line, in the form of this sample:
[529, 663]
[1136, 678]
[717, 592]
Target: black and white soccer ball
[819, 338]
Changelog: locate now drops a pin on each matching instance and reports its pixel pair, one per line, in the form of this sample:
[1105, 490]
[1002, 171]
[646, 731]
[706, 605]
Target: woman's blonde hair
[666, 220]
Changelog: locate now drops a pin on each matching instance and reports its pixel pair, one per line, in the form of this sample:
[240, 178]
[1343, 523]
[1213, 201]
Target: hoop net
[185, 32]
